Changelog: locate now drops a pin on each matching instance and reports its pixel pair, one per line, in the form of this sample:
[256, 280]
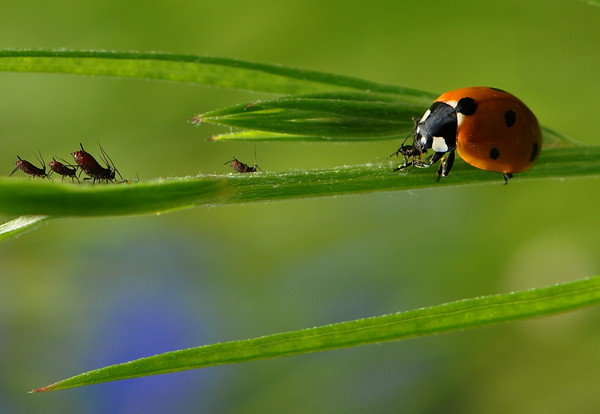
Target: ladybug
[490, 128]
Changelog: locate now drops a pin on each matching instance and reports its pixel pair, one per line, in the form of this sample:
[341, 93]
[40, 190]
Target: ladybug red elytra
[488, 127]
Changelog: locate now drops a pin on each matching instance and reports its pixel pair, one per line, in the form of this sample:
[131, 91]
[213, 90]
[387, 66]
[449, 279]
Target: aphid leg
[403, 166]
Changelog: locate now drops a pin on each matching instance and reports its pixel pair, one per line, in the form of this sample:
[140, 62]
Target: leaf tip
[50, 387]
[196, 119]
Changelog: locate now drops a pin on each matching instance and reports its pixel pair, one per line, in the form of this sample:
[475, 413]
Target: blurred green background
[78, 294]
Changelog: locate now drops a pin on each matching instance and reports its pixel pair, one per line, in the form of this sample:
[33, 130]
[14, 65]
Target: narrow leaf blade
[203, 70]
[332, 115]
[19, 226]
[469, 313]
[27, 197]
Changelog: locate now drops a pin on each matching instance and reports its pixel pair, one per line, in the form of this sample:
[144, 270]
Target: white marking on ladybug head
[452, 103]
[439, 144]
[425, 115]
[459, 119]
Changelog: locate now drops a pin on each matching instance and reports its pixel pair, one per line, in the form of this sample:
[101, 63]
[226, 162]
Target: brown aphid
[30, 169]
[412, 156]
[240, 167]
[64, 170]
[92, 168]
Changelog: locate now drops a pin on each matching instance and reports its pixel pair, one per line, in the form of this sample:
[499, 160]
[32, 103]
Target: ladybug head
[437, 129]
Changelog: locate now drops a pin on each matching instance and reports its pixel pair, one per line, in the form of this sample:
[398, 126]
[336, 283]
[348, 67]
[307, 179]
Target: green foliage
[341, 116]
[453, 316]
[19, 225]
[319, 107]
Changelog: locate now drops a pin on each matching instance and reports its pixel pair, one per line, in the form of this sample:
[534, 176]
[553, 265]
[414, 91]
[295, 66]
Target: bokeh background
[78, 294]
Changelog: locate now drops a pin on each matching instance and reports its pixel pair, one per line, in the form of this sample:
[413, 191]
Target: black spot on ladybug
[510, 117]
[494, 153]
[534, 151]
[466, 106]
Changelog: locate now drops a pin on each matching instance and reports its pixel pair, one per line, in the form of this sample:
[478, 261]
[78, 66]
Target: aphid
[412, 156]
[240, 167]
[64, 170]
[92, 168]
[30, 169]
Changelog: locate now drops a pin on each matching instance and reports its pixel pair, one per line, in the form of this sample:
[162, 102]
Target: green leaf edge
[462, 314]
[20, 196]
[195, 69]
[19, 226]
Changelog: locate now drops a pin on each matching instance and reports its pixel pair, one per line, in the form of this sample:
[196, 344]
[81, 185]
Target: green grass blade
[331, 115]
[204, 70]
[249, 135]
[18, 226]
[554, 139]
[469, 313]
[29, 197]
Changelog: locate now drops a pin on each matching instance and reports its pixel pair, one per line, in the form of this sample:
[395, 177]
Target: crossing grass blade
[469, 313]
[339, 116]
[19, 225]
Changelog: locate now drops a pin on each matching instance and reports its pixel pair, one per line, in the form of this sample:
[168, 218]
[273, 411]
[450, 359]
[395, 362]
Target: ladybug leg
[507, 176]
[446, 165]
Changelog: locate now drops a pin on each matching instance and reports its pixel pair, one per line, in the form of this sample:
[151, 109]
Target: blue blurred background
[78, 294]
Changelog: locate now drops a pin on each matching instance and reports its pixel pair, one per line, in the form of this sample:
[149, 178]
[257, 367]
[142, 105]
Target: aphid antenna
[255, 164]
[118, 172]
[108, 161]
[40, 158]
[65, 162]
[401, 145]
[105, 157]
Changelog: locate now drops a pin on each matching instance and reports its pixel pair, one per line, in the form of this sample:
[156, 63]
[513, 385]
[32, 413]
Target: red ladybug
[490, 128]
